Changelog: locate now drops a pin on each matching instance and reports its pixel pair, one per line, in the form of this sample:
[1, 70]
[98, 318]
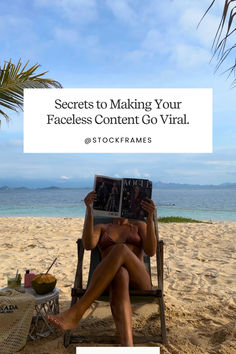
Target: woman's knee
[120, 249]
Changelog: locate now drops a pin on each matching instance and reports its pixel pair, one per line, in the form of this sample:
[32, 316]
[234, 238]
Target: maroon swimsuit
[132, 238]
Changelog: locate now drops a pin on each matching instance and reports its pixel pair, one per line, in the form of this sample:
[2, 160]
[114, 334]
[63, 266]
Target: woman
[112, 200]
[121, 244]
[136, 202]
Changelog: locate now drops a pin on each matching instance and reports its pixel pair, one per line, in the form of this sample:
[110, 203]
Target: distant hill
[163, 185]
[159, 184]
[52, 188]
[4, 188]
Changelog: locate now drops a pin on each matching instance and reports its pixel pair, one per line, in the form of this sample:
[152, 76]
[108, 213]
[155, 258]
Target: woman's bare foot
[61, 322]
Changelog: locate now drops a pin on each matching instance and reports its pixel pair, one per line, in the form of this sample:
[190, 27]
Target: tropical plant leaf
[14, 78]
[224, 32]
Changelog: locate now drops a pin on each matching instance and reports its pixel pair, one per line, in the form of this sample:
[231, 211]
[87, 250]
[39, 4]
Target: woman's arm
[91, 233]
[147, 230]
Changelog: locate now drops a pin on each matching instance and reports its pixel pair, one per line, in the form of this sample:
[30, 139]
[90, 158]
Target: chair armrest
[79, 274]
[160, 264]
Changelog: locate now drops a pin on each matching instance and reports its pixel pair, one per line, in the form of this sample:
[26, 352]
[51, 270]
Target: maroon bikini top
[105, 241]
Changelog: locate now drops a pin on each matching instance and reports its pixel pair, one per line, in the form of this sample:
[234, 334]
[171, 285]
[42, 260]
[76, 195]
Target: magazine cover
[121, 88]
[109, 192]
[121, 197]
[134, 192]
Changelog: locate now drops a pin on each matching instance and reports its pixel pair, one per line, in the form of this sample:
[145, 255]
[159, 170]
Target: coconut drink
[44, 283]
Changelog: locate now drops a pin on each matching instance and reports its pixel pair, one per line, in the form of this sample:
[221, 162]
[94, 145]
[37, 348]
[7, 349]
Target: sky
[119, 43]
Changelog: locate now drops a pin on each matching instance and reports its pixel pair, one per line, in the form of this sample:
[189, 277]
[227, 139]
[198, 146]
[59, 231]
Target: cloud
[135, 173]
[136, 56]
[183, 172]
[152, 45]
[64, 177]
[204, 33]
[122, 10]
[66, 35]
[10, 23]
[183, 45]
[190, 56]
[12, 142]
[18, 30]
[146, 175]
[155, 42]
[86, 44]
[79, 11]
[16, 142]
[220, 163]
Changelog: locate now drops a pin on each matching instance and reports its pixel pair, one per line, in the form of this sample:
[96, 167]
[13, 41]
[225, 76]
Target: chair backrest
[95, 256]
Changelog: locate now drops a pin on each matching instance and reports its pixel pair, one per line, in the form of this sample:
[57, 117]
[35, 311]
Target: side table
[44, 305]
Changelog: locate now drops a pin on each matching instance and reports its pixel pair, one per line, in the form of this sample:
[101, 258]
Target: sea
[198, 203]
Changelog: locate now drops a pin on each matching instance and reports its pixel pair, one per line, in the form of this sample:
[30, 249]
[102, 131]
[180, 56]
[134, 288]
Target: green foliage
[167, 219]
[14, 79]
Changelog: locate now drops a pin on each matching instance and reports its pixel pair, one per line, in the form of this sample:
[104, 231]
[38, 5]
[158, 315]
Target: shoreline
[79, 212]
[159, 221]
[198, 272]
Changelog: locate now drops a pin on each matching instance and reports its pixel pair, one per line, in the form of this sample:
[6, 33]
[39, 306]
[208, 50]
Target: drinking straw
[51, 265]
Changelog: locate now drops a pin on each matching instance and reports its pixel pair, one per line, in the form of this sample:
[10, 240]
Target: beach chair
[154, 295]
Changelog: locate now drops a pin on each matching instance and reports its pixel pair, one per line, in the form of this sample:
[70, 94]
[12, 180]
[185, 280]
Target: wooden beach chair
[145, 296]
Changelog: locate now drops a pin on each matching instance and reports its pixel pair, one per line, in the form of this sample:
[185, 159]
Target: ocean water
[202, 204]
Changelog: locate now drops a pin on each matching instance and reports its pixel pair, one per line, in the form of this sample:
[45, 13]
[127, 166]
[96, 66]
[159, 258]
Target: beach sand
[199, 267]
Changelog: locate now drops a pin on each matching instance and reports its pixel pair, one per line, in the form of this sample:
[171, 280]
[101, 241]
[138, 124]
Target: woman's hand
[149, 206]
[89, 199]
[91, 233]
[148, 233]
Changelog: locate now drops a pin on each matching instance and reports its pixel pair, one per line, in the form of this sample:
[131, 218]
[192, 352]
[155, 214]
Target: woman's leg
[120, 255]
[121, 306]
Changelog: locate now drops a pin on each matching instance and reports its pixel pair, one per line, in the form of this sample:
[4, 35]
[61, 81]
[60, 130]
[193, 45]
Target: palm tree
[13, 80]
[223, 34]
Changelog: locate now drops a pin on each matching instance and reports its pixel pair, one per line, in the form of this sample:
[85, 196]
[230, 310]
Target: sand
[199, 283]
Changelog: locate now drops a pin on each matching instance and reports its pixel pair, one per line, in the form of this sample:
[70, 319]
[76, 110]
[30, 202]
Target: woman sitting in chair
[121, 244]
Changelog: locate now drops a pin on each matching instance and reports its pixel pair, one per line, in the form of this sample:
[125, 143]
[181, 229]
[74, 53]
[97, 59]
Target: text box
[118, 120]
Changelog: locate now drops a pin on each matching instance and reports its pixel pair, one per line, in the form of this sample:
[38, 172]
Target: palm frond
[14, 78]
[224, 31]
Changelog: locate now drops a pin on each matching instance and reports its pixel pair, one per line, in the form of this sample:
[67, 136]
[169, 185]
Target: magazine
[121, 197]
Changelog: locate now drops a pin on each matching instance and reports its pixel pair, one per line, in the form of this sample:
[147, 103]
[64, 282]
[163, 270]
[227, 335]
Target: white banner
[118, 350]
[118, 120]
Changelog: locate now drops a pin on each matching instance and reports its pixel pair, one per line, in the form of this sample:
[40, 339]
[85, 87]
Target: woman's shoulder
[101, 226]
